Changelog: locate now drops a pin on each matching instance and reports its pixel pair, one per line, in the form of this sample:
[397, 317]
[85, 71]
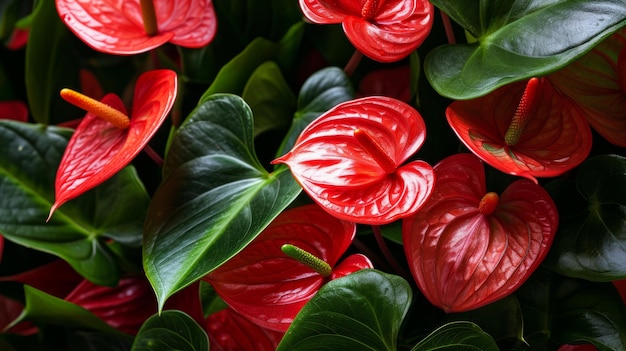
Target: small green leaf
[270, 98]
[215, 197]
[44, 308]
[234, 75]
[50, 65]
[322, 91]
[361, 311]
[517, 40]
[591, 241]
[172, 330]
[457, 336]
[29, 157]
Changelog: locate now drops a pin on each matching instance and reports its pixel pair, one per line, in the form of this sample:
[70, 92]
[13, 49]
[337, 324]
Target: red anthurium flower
[597, 82]
[126, 27]
[468, 247]
[230, 331]
[349, 160]
[383, 30]
[18, 39]
[527, 129]
[99, 149]
[265, 285]
[13, 109]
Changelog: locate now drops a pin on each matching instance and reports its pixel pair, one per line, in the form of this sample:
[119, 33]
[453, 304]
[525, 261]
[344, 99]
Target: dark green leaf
[517, 40]
[29, 157]
[172, 330]
[361, 311]
[50, 65]
[321, 92]
[559, 310]
[457, 336]
[211, 302]
[269, 97]
[44, 308]
[591, 240]
[215, 197]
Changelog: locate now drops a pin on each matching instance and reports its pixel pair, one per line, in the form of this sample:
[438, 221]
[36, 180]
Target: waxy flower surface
[98, 149]
[126, 27]
[350, 160]
[597, 82]
[230, 331]
[527, 129]
[268, 287]
[468, 247]
[385, 31]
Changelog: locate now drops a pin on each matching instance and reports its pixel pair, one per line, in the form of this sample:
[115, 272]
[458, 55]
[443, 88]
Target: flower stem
[100, 109]
[369, 144]
[447, 25]
[378, 235]
[308, 259]
[353, 63]
[148, 15]
[524, 111]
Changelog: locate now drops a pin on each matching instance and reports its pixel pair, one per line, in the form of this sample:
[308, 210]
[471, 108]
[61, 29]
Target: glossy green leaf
[559, 310]
[215, 197]
[270, 98]
[457, 336]
[44, 308]
[591, 241]
[172, 330]
[361, 311]
[322, 91]
[517, 40]
[234, 75]
[29, 157]
[50, 65]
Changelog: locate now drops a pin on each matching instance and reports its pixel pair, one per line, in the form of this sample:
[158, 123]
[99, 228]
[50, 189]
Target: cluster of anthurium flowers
[465, 245]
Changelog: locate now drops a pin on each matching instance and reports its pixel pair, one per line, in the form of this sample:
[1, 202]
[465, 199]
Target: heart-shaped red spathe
[269, 288]
[463, 259]
[116, 26]
[98, 150]
[345, 179]
[229, 331]
[385, 31]
[556, 139]
[597, 83]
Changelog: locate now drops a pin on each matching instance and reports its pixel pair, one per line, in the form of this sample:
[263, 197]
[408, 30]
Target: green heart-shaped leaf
[29, 157]
[591, 242]
[172, 330]
[517, 40]
[361, 311]
[215, 197]
[457, 336]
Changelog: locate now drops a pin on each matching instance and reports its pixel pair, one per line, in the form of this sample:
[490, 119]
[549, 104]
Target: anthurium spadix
[385, 31]
[275, 275]
[597, 83]
[468, 247]
[350, 160]
[126, 27]
[106, 139]
[527, 129]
